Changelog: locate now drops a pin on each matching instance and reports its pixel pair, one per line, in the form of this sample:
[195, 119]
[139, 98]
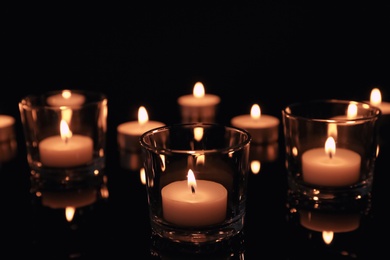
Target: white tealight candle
[263, 128]
[194, 203]
[66, 98]
[198, 107]
[6, 127]
[66, 150]
[376, 100]
[130, 132]
[330, 167]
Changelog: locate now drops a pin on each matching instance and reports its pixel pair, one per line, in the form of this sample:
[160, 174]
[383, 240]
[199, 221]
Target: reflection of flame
[142, 175]
[66, 134]
[200, 159]
[198, 133]
[69, 213]
[327, 236]
[352, 111]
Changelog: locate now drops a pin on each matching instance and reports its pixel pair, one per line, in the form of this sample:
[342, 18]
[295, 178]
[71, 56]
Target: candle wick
[192, 189]
[66, 140]
[330, 155]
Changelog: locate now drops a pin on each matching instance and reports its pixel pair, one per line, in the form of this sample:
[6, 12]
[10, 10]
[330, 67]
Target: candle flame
[198, 133]
[143, 117]
[191, 180]
[352, 110]
[330, 147]
[198, 91]
[255, 111]
[66, 94]
[375, 97]
[327, 236]
[66, 134]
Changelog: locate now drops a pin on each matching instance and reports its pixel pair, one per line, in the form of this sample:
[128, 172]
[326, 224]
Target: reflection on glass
[130, 160]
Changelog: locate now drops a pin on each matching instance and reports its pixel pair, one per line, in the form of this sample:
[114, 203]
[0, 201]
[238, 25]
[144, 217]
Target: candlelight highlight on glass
[196, 179]
[65, 137]
[331, 148]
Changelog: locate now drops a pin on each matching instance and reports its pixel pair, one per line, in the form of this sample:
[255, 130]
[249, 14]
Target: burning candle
[194, 202]
[66, 98]
[130, 132]
[328, 167]
[66, 150]
[198, 107]
[263, 128]
[376, 100]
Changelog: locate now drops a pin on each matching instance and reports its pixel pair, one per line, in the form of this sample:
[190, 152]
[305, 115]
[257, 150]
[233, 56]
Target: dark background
[149, 53]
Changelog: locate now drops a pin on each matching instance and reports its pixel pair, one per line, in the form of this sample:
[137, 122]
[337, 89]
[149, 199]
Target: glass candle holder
[196, 179]
[331, 148]
[65, 134]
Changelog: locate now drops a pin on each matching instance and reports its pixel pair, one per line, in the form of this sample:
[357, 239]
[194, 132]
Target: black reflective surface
[273, 54]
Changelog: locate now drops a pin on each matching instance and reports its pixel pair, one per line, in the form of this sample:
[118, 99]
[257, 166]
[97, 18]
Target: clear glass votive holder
[331, 149]
[196, 180]
[65, 135]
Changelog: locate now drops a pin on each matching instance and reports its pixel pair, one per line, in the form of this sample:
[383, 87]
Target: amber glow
[198, 90]
[143, 116]
[330, 147]
[142, 175]
[255, 111]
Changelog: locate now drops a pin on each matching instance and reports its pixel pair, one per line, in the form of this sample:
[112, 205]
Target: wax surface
[384, 107]
[341, 170]
[55, 152]
[207, 206]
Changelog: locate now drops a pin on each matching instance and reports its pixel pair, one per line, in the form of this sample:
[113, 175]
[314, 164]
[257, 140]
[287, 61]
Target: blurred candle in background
[130, 132]
[198, 107]
[263, 128]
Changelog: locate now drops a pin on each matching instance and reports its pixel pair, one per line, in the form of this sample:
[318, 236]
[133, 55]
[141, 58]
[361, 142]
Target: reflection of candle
[6, 127]
[330, 167]
[198, 107]
[130, 132]
[376, 100]
[318, 221]
[194, 202]
[66, 98]
[63, 199]
[66, 150]
[263, 128]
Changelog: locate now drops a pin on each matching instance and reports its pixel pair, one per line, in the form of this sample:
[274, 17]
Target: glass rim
[376, 112]
[38, 101]
[168, 151]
